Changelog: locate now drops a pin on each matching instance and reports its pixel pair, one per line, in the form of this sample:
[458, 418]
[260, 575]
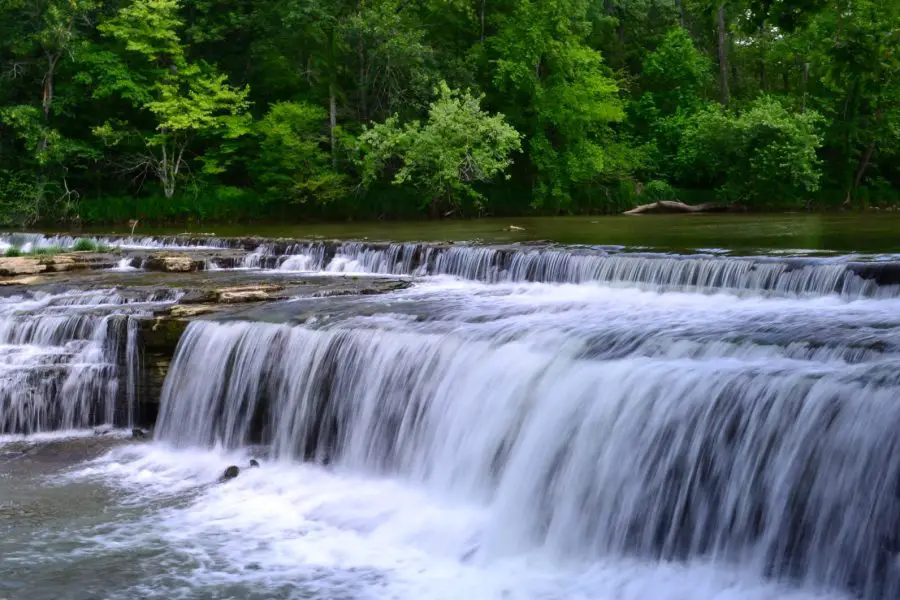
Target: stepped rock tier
[603, 401]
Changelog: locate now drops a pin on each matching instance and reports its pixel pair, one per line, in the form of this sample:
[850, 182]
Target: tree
[38, 35]
[457, 146]
[291, 162]
[185, 100]
[861, 77]
[675, 78]
[560, 95]
[763, 157]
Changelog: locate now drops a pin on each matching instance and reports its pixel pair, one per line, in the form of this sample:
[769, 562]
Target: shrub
[85, 245]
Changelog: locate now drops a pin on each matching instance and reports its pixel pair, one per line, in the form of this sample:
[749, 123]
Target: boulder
[138, 433]
[172, 263]
[230, 473]
[253, 463]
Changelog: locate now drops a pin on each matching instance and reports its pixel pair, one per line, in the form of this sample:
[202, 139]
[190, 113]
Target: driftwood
[672, 206]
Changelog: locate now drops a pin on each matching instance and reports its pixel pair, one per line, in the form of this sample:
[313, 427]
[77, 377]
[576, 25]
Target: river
[708, 413]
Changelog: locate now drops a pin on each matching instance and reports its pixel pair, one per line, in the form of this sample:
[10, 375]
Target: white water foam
[124, 266]
[298, 531]
[600, 421]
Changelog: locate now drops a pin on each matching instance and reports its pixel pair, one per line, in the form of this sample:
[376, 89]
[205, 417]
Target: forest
[193, 111]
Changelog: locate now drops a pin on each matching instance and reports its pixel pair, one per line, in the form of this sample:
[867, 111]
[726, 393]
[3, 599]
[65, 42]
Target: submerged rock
[230, 473]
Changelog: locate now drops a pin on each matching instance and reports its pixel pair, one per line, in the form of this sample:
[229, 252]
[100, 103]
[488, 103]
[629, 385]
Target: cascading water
[661, 272]
[594, 420]
[64, 360]
[849, 276]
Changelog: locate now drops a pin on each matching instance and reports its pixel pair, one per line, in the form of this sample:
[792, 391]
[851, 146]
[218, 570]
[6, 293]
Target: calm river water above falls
[523, 422]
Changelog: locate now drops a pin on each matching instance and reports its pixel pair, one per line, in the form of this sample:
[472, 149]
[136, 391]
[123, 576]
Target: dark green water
[842, 233]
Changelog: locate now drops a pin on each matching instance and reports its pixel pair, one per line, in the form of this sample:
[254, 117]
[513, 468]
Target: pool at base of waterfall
[142, 520]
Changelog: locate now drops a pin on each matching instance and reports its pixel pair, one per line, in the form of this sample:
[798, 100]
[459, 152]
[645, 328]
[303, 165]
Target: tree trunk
[804, 81]
[483, 2]
[723, 59]
[674, 207]
[47, 96]
[332, 120]
[363, 93]
[679, 4]
[860, 172]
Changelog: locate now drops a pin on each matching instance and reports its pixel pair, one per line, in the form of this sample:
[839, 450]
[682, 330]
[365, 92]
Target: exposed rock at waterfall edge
[172, 263]
[17, 266]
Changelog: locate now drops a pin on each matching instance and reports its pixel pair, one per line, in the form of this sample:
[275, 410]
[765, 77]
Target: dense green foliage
[174, 111]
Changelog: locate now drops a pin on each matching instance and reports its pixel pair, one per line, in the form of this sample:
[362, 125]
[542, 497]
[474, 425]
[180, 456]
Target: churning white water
[591, 422]
[768, 275]
[304, 532]
[522, 423]
[67, 360]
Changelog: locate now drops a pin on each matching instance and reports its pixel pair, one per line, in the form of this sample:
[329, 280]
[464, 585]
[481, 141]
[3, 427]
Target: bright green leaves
[184, 99]
[292, 160]
[457, 146]
[150, 28]
[676, 74]
[196, 99]
[566, 98]
[764, 157]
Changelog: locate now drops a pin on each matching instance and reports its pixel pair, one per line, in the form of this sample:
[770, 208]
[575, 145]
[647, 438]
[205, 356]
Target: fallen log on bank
[673, 206]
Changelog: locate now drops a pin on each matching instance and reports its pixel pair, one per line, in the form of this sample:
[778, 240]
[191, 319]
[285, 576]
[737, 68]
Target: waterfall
[594, 420]
[850, 277]
[776, 275]
[28, 242]
[68, 361]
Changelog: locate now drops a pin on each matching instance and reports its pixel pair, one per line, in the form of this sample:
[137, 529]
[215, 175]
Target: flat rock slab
[57, 263]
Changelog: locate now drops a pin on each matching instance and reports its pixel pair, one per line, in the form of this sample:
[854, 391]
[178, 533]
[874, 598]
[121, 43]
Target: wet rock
[20, 265]
[192, 310]
[254, 294]
[254, 463]
[172, 263]
[138, 433]
[230, 473]
[233, 294]
[21, 280]
[58, 263]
